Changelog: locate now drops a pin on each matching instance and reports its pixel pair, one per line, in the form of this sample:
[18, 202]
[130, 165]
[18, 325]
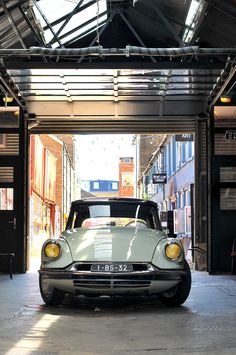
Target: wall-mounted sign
[185, 137]
[230, 135]
[159, 178]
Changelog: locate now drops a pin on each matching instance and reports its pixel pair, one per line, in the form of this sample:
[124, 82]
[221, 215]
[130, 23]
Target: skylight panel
[192, 19]
[84, 16]
[192, 12]
[51, 11]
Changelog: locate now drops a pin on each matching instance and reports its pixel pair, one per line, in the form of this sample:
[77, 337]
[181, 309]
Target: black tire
[177, 295]
[51, 295]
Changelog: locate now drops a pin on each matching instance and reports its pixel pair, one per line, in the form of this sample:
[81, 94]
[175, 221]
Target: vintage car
[114, 246]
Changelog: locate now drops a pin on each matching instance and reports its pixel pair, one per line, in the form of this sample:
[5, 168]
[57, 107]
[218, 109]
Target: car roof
[95, 200]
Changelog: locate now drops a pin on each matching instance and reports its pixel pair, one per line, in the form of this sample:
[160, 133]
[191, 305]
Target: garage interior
[140, 66]
[133, 67]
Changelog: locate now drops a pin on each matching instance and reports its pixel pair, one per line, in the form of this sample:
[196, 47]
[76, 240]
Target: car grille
[112, 281]
[140, 277]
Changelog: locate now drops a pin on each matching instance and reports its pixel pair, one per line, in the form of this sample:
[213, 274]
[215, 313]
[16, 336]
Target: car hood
[112, 243]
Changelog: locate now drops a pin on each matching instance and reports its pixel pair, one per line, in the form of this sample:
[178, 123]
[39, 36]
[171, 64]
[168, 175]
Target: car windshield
[113, 222]
[113, 213]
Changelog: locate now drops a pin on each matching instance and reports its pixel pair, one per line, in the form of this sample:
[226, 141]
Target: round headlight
[52, 250]
[173, 251]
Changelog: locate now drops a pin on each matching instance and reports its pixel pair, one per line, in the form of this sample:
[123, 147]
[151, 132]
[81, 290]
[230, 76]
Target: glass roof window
[65, 21]
[192, 19]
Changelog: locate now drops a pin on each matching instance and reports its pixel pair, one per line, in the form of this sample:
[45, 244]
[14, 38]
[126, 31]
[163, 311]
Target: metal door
[9, 242]
[223, 212]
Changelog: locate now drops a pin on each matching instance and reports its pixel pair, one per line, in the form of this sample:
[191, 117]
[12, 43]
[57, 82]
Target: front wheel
[178, 294]
[51, 295]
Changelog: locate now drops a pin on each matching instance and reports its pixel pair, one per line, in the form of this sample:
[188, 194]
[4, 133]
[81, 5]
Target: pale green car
[114, 246]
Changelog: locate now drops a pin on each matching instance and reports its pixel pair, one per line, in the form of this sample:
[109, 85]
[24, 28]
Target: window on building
[165, 159]
[177, 201]
[126, 160]
[183, 152]
[188, 198]
[161, 162]
[169, 159]
[182, 199]
[157, 163]
[173, 155]
[114, 186]
[190, 150]
[96, 185]
[178, 154]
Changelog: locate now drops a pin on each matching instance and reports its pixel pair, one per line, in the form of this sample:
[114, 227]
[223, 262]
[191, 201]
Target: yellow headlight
[52, 250]
[173, 251]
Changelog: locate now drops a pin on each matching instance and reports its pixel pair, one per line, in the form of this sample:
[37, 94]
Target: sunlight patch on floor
[34, 338]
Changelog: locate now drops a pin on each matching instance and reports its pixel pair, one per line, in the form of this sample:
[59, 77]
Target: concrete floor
[206, 324]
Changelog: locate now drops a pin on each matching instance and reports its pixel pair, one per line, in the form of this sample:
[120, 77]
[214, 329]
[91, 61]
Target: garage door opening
[63, 168]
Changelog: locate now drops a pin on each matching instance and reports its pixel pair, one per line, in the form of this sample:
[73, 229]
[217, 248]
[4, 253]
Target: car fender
[63, 260]
[161, 261]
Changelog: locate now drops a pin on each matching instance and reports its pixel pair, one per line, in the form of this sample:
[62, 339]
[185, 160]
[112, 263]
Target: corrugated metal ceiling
[122, 64]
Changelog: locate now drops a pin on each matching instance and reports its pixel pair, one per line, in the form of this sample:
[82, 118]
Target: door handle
[13, 222]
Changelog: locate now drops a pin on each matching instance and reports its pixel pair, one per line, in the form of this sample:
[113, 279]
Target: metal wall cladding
[11, 145]
[6, 174]
[223, 146]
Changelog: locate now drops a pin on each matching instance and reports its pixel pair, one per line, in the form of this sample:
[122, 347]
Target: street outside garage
[205, 324]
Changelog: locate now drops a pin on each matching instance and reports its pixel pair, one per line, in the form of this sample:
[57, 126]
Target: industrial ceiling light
[7, 99]
[225, 99]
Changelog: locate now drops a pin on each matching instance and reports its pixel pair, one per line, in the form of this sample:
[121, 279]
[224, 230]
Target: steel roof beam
[46, 20]
[134, 32]
[82, 26]
[36, 36]
[85, 33]
[165, 21]
[12, 23]
[58, 21]
[66, 21]
[227, 75]
[101, 30]
[114, 65]
[215, 4]
[9, 87]
[13, 7]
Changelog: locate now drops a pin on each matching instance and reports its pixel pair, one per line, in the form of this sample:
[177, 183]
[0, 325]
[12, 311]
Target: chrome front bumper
[150, 281]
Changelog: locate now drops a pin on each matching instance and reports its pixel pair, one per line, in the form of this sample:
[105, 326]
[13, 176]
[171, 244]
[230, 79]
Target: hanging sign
[159, 178]
[185, 137]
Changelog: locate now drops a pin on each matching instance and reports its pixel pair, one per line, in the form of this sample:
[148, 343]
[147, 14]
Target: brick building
[51, 186]
[126, 177]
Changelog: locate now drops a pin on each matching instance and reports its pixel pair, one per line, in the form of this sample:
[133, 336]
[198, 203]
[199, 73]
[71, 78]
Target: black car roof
[112, 200]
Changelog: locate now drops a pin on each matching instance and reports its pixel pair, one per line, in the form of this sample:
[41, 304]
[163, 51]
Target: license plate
[112, 267]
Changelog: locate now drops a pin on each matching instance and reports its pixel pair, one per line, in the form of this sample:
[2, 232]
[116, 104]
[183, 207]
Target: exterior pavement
[205, 324]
